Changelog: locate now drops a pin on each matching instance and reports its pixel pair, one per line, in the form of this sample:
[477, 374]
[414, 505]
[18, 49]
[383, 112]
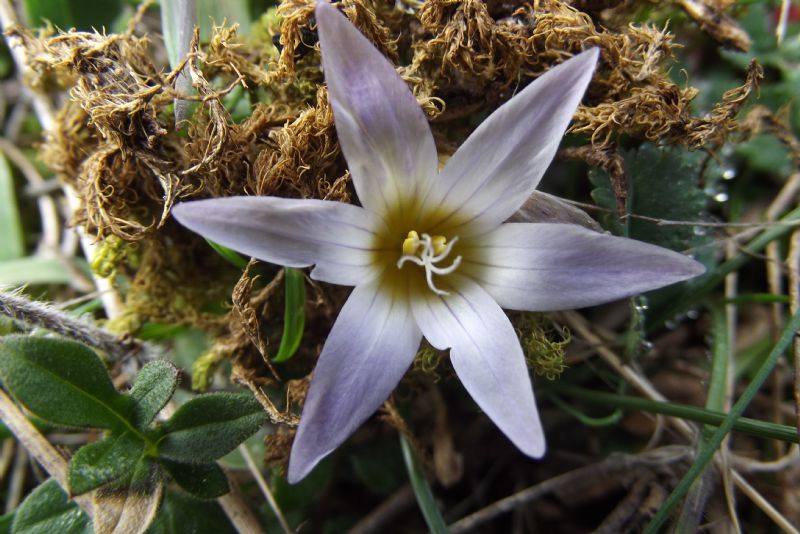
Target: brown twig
[39, 448]
[623, 466]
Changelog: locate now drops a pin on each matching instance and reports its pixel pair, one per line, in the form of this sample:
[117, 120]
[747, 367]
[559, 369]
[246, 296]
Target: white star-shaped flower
[428, 252]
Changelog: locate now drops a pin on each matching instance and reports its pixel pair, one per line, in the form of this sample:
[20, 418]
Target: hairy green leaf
[47, 510]
[104, 461]
[294, 314]
[210, 426]
[152, 389]
[204, 481]
[62, 382]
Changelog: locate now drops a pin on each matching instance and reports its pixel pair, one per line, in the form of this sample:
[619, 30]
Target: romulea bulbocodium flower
[430, 252]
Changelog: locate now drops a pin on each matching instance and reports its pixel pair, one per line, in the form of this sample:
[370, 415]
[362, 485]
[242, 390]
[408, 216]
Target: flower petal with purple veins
[494, 172]
[545, 267]
[335, 236]
[487, 357]
[382, 130]
[369, 349]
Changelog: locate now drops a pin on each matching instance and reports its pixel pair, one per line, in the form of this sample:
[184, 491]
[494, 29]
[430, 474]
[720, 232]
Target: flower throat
[427, 251]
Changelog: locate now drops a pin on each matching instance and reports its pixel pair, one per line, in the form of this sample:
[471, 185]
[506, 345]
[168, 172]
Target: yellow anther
[439, 243]
[411, 243]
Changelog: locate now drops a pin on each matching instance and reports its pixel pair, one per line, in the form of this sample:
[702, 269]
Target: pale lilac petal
[370, 347]
[383, 132]
[543, 267]
[487, 357]
[546, 208]
[497, 168]
[337, 237]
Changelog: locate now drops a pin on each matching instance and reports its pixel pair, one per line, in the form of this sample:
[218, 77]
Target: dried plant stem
[240, 515]
[765, 506]
[19, 308]
[17, 483]
[262, 485]
[783, 20]
[39, 448]
[793, 264]
[382, 515]
[731, 285]
[7, 454]
[579, 325]
[616, 465]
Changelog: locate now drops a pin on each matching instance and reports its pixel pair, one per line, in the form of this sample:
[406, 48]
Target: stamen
[433, 250]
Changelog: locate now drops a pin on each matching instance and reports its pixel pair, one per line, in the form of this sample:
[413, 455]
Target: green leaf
[5, 523]
[104, 461]
[12, 243]
[82, 14]
[48, 509]
[210, 426]
[62, 382]
[230, 11]
[294, 314]
[38, 12]
[181, 513]
[204, 481]
[232, 256]
[33, 270]
[422, 491]
[152, 389]
[745, 425]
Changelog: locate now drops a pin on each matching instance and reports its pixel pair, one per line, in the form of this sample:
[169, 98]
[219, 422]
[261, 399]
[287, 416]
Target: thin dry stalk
[262, 485]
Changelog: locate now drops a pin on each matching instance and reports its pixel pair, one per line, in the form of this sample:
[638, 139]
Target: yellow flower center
[427, 251]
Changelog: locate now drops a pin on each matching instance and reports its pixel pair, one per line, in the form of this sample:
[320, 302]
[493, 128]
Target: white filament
[428, 259]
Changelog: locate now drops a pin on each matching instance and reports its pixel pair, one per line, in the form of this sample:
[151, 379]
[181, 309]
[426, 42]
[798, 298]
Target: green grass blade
[294, 314]
[232, 256]
[12, 243]
[422, 491]
[698, 289]
[745, 425]
[711, 446]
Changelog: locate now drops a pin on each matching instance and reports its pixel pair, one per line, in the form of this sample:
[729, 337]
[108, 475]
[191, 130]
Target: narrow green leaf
[12, 243]
[38, 12]
[210, 426]
[294, 314]
[47, 510]
[152, 389]
[104, 461]
[33, 270]
[753, 427]
[204, 481]
[422, 491]
[62, 382]
[232, 256]
[5, 523]
[182, 513]
[230, 11]
[713, 443]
